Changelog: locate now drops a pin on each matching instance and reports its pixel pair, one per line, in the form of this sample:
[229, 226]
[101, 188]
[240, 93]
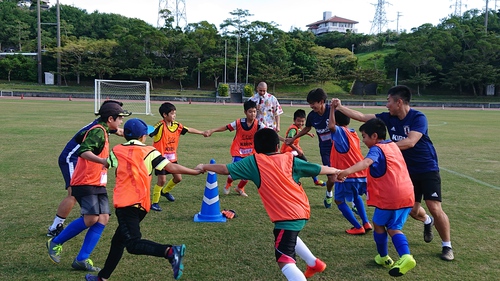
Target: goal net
[134, 95]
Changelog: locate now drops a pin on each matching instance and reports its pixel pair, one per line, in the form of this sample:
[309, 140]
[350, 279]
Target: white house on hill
[331, 24]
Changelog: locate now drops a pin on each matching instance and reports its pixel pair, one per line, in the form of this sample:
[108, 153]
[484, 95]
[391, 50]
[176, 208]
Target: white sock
[304, 253]
[293, 273]
[427, 219]
[446, 244]
[57, 220]
[329, 193]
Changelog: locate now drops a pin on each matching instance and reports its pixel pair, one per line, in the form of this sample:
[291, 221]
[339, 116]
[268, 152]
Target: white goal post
[134, 95]
[6, 93]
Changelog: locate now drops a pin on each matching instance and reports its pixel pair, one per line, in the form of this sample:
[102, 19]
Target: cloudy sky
[290, 13]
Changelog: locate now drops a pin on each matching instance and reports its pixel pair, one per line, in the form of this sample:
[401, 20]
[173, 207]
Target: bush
[223, 90]
[248, 90]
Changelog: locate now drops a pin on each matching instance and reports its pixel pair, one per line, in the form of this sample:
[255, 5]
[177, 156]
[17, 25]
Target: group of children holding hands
[257, 156]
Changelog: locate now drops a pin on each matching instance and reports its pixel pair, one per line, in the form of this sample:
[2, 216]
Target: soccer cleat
[428, 236]
[405, 263]
[320, 183]
[54, 251]
[318, 267]
[227, 188]
[175, 260]
[328, 202]
[169, 196]
[447, 254]
[156, 207]
[386, 261]
[355, 210]
[86, 265]
[55, 232]
[356, 231]
[367, 226]
[240, 191]
[90, 277]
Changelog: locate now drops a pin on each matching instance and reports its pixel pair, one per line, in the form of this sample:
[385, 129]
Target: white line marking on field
[470, 178]
[435, 125]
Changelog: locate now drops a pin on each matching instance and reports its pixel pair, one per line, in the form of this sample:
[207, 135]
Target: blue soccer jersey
[320, 123]
[422, 157]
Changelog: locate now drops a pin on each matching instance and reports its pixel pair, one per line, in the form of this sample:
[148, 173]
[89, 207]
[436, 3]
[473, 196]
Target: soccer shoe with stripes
[367, 226]
[386, 261]
[240, 191]
[54, 251]
[328, 202]
[428, 236]
[318, 267]
[55, 232]
[176, 258]
[320, 183]
[403, 265]
[156, 207]
[86, 265]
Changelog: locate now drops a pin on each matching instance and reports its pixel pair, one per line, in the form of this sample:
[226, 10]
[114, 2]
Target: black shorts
[427, 185]
[284, 245]
[163, 172]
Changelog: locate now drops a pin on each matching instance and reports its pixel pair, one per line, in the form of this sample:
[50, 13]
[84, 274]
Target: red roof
[332, 19]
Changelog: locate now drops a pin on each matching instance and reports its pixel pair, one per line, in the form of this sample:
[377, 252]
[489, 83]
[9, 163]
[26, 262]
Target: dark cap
[136, 128]
[112, 109]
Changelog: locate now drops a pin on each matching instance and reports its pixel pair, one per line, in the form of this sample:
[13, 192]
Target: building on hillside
[331, 24]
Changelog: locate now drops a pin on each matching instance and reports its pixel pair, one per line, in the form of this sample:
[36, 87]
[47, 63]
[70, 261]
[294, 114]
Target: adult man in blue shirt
[408, 128]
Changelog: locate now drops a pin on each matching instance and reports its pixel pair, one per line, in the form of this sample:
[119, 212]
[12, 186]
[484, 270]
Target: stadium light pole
[39, 42]
[225, 60]
[248, 58]
[199, 59]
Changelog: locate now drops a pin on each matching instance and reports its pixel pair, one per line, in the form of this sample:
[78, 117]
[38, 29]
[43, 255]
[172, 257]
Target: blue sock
[401, 244]
[360, 205]
[315, 179]
[72, 230]
[381, 242]
[348, 214]
[90, 241]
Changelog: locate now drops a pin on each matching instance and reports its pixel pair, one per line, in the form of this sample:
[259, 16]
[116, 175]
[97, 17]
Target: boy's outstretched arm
[351, 113]
[220, 169]
[360, 166]
[208, 133]
[194, 131]
[331, 119]
[179, 169]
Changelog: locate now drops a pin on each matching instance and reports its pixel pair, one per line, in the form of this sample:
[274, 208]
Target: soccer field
[34, 131]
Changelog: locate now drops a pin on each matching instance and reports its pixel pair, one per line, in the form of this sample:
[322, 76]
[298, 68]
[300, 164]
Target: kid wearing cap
[88, 185]
[134, 162]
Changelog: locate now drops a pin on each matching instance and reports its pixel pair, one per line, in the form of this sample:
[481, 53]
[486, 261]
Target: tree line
[458, 54]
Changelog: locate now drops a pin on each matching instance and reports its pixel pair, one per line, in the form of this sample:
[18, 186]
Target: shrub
[223, 90]
[248, 90]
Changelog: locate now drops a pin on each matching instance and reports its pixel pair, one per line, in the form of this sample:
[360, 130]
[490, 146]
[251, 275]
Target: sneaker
[86, 265]
[320, 266]
[55, 232]
[356, 231]
[54, 251]
[367, 226]
[169, 196]
[428, 236]
[176, 260]
[328, 202]
[386, 261]
[355, 210]
[240, 191]
[405, 263]
[90, 277]
[320, 183]
[156, 207]
[447, 254]
[227, 188]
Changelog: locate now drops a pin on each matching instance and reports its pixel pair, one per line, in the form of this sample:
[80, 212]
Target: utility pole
[199, 59]
[248, 58]
[397, 22]
[225, 60]
[58, 44]
[486, 12]
[39, 42]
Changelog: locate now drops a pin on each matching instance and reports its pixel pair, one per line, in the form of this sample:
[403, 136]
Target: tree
[10, 63]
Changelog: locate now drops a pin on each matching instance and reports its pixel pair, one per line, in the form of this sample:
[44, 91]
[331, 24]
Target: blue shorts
[391, 219]
[67, 164]
[325, 156]
[348, 190]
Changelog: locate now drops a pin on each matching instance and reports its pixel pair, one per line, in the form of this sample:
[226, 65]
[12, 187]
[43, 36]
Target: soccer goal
[6, 93]
[134, 95]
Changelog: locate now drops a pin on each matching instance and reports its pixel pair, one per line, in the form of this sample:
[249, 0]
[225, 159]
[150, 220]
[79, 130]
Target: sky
[290, 13]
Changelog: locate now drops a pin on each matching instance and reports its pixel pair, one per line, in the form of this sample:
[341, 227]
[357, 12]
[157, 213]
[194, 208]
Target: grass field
[33, 132]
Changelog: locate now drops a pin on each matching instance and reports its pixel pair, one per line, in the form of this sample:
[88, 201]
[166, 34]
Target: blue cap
[136, 128]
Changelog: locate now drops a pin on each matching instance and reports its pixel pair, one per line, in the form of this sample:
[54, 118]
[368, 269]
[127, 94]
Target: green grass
[33, 132]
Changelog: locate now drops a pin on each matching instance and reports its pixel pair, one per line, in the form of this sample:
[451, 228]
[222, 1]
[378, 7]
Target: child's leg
[304, 253]
[91, 239]
[360, 206]
[292, 272]
[72, 230]
[380, 237]
[162, 178]
[347, 213]
[176, 178]
[285, 249]
[400, 242]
